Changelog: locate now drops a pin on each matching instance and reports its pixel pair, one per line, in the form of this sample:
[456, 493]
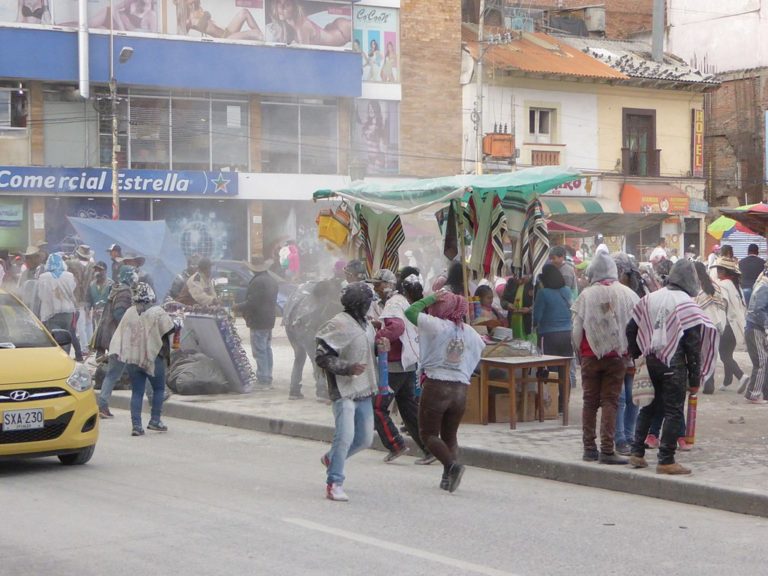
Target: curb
[645, 483]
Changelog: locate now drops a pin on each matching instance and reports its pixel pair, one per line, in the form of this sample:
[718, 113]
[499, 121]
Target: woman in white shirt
[733, 334]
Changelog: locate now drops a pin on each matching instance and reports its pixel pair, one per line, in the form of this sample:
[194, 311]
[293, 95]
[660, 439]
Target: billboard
[376, 135]
[376, 37]
[128, 15]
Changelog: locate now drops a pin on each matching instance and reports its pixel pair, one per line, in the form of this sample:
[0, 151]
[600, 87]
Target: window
[191, 134]
[639, 154]
[299, 137]
[229, 135]
[540, 124]
[150, 133]
[13, 109]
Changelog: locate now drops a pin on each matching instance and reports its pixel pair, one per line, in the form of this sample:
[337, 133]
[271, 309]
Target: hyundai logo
[19, 395]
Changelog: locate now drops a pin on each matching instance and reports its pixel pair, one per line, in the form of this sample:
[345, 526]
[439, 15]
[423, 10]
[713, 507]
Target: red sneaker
[683, 446]
[651, 442]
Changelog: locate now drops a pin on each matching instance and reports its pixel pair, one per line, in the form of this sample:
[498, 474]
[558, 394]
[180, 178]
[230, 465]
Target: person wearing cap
[259, 311]
[115, 253]
[81, 266]
[200, 285]
[728, 280]
[601, 314]
[180, 281]
[142, 343]
[751, 267]
[354, 271]
[403, 357]
[98, 293]
[345, 349]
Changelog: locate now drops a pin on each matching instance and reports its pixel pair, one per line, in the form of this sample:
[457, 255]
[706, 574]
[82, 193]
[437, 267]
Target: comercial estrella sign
[42, 180]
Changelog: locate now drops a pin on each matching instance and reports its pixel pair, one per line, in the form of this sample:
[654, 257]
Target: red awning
[562, 228]
[654, 198]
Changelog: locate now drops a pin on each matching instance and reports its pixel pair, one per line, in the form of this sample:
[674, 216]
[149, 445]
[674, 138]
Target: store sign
[375, 36]
[39, 180]
[697, 143]
[587, 186]
[11, 215]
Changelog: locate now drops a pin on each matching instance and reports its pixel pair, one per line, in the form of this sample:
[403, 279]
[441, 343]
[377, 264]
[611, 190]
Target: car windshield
[18, 326]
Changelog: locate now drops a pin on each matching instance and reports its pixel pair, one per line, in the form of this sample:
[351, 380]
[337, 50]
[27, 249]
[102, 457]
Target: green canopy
[415, 195]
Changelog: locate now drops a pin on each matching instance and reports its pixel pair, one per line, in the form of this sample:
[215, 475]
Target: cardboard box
[551, 400]
[472, 411]
[526, 407]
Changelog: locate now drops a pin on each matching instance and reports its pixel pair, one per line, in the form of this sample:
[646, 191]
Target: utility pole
[113, 102]
[479, 89]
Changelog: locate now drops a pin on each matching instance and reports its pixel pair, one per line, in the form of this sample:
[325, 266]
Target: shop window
[319, 139]
[540, 125]
[639, 154]
[13, 109]
[229, 135]
[191, 134]
[150, 131]
[280, 138]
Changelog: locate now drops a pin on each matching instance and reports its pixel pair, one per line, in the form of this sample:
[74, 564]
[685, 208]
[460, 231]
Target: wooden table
[510, 364]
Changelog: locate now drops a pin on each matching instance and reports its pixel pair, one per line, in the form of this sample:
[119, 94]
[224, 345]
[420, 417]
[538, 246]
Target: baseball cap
[114, 247]
[383, 275]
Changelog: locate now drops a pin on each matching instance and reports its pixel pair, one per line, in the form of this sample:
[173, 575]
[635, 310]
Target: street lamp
[125, 54]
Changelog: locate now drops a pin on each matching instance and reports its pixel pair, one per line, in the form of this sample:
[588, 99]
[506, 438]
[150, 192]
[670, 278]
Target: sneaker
[325, 461]
[651, 442]
[723, 387]
[455, 472]
[611, 459]
[590, 455]
[137, 431]
[395, 454]
[672, 469]
[624, 448]
[444, 482]
[295, 396]
[426, 460]
[637, 461]
[105, 414]
[336, 493]
[758, 400]
[743, 382]
[683, 446]
[157, 426]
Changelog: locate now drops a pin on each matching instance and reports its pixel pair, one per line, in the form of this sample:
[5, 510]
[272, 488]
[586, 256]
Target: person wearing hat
[28, 277]
[137, 262]
[142, 343]
[259, 311]
[115, 253]
[81, 266]
[728, 279]
[354, 271]
[98, 293]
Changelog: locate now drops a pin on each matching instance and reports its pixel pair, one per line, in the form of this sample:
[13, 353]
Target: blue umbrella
[152, 240]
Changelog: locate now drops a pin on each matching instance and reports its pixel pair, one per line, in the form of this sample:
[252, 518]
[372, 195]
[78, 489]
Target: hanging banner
[127, 15]
[697, 143]
[376, 37]
[309, 23]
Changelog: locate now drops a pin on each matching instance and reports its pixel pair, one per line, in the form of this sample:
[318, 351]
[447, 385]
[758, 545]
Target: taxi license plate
[23, 419]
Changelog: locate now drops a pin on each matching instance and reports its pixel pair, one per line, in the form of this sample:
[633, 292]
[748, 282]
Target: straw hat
[31, 251]
[726, 263]
[84, 251]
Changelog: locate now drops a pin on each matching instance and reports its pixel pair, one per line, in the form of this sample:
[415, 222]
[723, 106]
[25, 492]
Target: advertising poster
[231, 19]
[376, 135]
[309, 23]
[129, 15]
[376, 37]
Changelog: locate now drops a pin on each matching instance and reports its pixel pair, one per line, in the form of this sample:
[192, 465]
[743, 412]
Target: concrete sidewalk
[729, 459]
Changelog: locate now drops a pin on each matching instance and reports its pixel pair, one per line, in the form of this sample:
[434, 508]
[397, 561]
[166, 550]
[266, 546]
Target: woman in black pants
[728, 280]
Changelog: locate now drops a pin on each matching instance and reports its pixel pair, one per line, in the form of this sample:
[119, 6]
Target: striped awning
[556, 205]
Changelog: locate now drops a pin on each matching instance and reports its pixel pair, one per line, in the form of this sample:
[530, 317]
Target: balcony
[640, 163]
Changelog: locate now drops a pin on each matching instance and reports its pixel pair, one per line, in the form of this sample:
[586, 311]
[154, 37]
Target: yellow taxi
[47, 407]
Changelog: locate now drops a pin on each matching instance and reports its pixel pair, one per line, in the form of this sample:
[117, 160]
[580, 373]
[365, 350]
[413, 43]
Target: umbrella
[755, 217]
[153, 240]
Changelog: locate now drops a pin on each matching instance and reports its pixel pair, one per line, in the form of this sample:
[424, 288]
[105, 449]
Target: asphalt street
[211, 500]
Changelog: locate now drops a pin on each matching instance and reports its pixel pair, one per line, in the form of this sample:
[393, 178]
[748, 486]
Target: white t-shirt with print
[447, 351]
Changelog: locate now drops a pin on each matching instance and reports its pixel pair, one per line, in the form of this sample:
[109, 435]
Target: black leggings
[557, 344]
[441, 408]
[727, 346]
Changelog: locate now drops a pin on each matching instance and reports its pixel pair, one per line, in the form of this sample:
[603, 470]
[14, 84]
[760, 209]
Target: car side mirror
[63, 338]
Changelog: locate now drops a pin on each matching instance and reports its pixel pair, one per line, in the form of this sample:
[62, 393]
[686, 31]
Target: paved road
[211, 500]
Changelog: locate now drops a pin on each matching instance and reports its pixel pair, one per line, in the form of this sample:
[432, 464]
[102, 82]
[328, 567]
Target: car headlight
[80, 379]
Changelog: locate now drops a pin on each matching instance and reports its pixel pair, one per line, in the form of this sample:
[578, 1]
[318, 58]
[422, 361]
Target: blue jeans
[354, 432]
[138, 382]
[627, 414]
[114, 372]
[261, 348]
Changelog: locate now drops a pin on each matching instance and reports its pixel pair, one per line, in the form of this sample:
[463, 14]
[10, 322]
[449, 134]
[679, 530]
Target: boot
[611, 459]
[638, 461]
[673, 469]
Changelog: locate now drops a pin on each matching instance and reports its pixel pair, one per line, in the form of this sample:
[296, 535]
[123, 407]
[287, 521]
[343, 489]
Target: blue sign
[151, 183]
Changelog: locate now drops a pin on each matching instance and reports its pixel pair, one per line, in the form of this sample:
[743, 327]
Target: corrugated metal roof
[539, 53]
[633, 58]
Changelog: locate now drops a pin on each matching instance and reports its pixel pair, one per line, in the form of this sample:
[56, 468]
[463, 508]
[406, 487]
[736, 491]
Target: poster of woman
[376, 135]
[376, 38]
[230, 19]
[309, 23]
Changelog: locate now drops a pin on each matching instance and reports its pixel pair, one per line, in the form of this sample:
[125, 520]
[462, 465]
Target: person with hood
[449, 351]
[142, 343]
[57, 302]
[345, 350]
[120, 299]
[260, 311]
[600, 317]
[678, 341]
[710, 300]
[403, 359]
[728, 281]
[757, 341]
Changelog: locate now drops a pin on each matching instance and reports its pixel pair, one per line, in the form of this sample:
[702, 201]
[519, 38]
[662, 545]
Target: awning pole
[462, 254]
